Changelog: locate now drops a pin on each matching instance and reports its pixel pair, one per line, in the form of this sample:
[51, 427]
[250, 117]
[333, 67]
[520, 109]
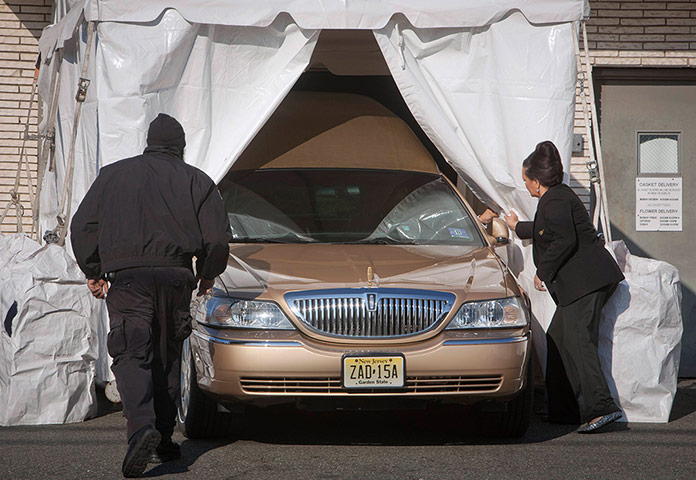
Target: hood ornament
[370, 276]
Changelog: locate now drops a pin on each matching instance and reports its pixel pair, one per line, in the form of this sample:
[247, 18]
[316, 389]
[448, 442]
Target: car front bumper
[265, 368]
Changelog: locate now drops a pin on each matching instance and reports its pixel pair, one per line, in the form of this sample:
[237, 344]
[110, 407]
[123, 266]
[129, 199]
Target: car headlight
[502, 313]
[233, 312]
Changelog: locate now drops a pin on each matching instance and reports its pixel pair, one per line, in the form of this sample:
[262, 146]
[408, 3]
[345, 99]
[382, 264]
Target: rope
[66, 198]
[19, 209]
[15, 199]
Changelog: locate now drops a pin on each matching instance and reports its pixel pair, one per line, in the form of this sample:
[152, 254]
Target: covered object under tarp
[486, 81]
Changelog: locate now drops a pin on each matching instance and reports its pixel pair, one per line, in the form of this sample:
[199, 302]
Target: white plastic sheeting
[486, 97]
[640, 337]
[48, 348]
[221, 82]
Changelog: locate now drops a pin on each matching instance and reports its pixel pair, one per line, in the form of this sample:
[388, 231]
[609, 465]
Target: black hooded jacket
[152, 210]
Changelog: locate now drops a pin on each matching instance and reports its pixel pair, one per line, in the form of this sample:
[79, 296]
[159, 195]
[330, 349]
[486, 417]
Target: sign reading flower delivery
[658, 204]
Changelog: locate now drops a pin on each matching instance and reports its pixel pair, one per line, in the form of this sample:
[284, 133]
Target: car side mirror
[500, 232]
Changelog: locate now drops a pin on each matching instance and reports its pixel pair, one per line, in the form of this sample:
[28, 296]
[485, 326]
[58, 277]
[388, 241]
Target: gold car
[358, 276]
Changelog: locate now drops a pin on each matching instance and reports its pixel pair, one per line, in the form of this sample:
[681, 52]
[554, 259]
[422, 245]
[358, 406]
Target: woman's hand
[487, 216]
[511, 220]
[538, 284]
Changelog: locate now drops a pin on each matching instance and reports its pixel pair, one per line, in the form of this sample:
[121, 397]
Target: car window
[346, 206]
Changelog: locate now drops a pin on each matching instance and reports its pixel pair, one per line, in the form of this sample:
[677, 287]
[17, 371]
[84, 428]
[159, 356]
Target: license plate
[373, 371]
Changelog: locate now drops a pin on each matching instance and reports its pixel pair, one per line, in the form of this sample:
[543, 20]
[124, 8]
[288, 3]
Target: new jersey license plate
[373, 371]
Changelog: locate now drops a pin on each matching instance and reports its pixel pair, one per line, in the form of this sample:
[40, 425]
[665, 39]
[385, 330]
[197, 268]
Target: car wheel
[197, 415]
[514, 421]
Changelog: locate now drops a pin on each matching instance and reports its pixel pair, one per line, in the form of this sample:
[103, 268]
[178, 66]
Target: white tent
[485, 80]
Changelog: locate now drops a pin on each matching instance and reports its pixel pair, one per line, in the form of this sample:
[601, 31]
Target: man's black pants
[574, 331]
[149, 315]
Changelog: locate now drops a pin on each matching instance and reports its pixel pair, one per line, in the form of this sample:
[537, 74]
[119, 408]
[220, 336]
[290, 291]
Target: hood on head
[166, 131]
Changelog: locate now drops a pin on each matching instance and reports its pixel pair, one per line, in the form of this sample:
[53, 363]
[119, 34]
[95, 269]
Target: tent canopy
[355, 14]
[499, 79]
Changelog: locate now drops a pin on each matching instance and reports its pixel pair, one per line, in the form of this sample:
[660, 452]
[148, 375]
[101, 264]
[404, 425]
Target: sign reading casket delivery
[658, 204]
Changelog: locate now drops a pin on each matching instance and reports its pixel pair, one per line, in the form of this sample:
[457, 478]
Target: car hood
[463, 270]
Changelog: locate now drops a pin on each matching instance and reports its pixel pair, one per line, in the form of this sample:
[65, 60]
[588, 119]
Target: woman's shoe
[592, 427]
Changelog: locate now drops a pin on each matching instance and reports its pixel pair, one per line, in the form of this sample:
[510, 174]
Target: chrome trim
[248, 343]
[345, 312]
[487, 341]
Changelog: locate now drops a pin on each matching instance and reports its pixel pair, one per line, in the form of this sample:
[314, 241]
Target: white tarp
[640, 337]
[48, 337]
[221, 82]
[486, 89]
[486, 97]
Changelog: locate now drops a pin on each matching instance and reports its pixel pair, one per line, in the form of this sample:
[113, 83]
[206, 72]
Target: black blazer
[570, 259]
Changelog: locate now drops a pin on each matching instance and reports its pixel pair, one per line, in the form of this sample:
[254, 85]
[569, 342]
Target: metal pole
[598, 145]
[66, 199]
[594, 180]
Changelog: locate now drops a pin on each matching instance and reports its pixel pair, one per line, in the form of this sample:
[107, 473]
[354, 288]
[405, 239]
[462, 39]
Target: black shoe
[140, 446]
[592, 427]
[166, 451]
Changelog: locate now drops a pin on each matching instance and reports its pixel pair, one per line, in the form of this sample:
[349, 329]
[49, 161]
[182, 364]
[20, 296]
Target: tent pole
[23, 153]
[591, 165]
[598, 145]
[49, 140]
[66, 199]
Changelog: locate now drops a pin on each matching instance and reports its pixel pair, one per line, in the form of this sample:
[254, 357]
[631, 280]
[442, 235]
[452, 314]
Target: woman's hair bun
[544, 164]
[547, 148]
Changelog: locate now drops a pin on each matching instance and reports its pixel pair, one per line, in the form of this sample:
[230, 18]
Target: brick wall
[648, 34]
[21, 22]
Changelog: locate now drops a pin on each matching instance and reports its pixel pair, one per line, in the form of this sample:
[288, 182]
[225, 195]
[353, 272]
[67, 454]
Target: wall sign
[658, 204]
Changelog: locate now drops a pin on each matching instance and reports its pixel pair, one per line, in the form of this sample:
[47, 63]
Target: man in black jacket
[140, 224]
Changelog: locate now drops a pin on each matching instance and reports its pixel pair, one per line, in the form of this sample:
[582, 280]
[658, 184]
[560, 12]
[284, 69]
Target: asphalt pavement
[429, 444]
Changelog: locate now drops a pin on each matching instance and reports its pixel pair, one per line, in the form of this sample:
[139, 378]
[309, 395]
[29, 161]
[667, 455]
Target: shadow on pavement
[435, 426]
[191, 450]
[104, 405]
[685, 400]
[441, 425]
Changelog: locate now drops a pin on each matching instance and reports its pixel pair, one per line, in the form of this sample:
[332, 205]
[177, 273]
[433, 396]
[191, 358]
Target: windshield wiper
[386, 241]
[286, 239]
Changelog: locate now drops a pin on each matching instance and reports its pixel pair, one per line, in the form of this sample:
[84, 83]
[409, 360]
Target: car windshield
[346, 206]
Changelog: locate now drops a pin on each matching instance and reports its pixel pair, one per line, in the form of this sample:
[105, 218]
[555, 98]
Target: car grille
[369, 313]
[323, 386]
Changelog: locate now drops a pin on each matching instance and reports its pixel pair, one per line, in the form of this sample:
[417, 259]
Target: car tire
[197, 415]
[514, 421]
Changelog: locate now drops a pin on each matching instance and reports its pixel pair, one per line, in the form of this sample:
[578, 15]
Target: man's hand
[487, 216]
[204, 286]
[98, 287]
[538, 284]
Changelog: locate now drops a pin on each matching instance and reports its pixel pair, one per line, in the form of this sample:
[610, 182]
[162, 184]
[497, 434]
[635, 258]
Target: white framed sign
[658, 204]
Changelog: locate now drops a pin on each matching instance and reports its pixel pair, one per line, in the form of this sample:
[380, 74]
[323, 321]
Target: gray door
[632, 118]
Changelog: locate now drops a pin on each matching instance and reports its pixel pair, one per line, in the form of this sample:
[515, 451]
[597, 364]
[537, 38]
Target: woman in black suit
[579, 273]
